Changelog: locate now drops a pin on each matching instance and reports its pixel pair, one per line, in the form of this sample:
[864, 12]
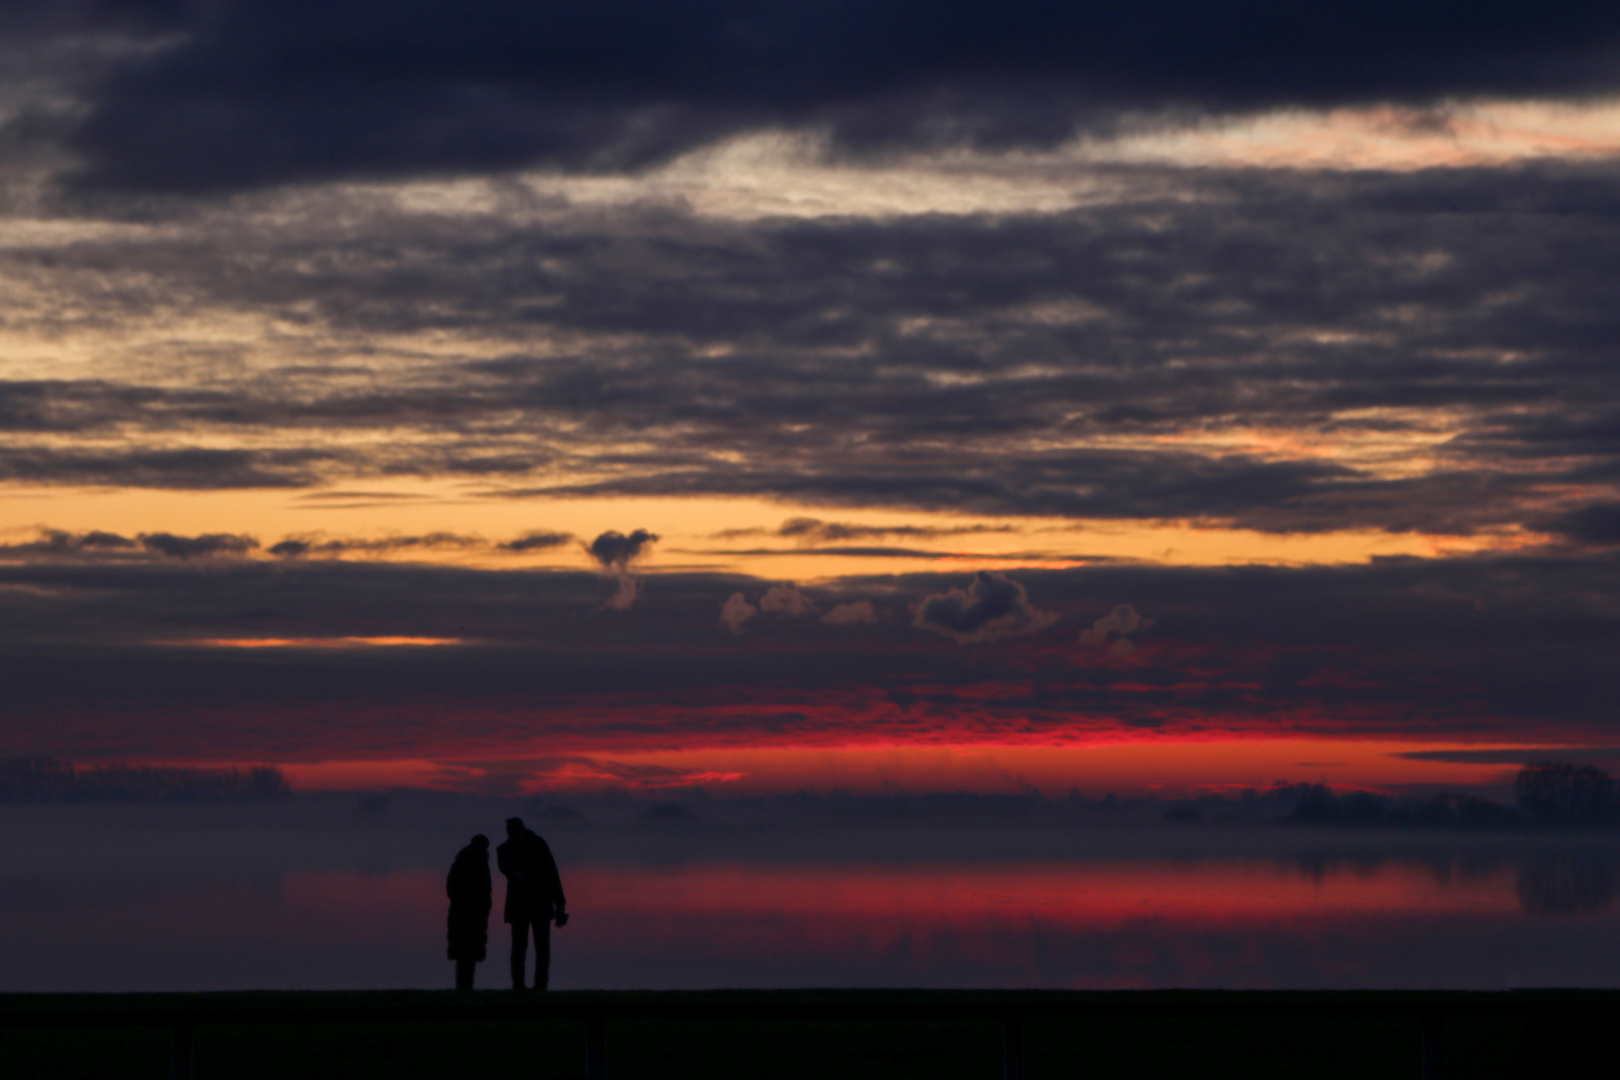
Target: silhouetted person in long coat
[534, 897]
[471, 897]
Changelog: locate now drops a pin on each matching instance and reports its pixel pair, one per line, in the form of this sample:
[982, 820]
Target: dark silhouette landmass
[47, 780]
[1547, 795]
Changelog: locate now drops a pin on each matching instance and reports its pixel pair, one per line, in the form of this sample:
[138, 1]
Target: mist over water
[345, 892]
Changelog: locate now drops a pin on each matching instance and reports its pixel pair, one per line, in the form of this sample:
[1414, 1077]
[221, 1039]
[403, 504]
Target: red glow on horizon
[1163, 767]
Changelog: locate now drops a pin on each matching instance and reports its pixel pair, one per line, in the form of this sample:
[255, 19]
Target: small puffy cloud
[1118, 624]
[786, 600]
[994, 606]
[861, 611]
[171, 546]
[539, 541]
[615, 550]
[736, 612]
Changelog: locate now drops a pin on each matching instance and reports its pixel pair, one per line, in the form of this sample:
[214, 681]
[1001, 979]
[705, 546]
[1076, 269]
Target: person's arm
[554, 879]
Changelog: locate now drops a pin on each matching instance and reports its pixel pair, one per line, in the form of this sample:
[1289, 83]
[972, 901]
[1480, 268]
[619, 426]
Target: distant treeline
[47, 780]
[1545, 794]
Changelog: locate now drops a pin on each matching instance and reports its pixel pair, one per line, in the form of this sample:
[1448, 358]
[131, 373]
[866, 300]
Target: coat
[534, 890]
[471, 896]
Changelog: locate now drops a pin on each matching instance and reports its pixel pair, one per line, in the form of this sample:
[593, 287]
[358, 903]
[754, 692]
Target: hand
[561, 918]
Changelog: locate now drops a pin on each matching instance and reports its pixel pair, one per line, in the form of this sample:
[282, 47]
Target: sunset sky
[518, 397]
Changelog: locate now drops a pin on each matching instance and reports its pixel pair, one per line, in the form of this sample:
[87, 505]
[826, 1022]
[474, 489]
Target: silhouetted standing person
[534, 897]
[471, 897]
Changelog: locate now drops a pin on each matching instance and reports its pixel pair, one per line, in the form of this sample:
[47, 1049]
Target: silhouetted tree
[1183, 815]
[1319, 805]
[1558, 792]
[1315, 804]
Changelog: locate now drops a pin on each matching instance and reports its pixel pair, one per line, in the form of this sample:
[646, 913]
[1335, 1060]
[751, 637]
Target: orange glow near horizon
[314, 643]
[693, 531]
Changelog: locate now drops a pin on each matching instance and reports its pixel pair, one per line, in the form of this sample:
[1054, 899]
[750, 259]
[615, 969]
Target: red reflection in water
[1143, 923]
[1090, 894]
[1003, 920]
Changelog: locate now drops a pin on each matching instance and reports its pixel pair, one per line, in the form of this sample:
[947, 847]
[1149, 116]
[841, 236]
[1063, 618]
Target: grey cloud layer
[1009, 364]
[1515, 649]
[227, 94]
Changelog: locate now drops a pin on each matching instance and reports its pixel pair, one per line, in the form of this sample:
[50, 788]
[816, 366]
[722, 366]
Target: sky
[522, 397]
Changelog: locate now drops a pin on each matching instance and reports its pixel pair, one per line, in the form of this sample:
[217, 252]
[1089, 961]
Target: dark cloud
[539, 541]
[1132, 359]
[197, 547]
[1076, 483]
[1597, 523]
[1518, 756]
[1505, 650]
[994, 606]
[55, 543]
[245, 93]
[193, 469]
[1032, 558]
[296, 547]
[62, 406]
[615, 550]
[808, 530]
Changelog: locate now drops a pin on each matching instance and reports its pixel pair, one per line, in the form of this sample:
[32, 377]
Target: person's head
[514, 827]
[481, 843]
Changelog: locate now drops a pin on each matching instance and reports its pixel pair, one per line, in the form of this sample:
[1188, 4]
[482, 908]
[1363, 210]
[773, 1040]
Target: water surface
[318, 895]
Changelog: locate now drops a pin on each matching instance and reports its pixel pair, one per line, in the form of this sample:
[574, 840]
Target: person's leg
[542, 954]
[464, 973]
[520, 948]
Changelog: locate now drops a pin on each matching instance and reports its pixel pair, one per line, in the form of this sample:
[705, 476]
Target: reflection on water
[301, 907]
[1566, 883]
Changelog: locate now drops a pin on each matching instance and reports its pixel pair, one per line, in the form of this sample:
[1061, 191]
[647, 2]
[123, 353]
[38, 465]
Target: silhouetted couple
[534, 900]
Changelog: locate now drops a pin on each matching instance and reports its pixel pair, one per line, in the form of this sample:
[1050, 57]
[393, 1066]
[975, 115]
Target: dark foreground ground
[833, 1034]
